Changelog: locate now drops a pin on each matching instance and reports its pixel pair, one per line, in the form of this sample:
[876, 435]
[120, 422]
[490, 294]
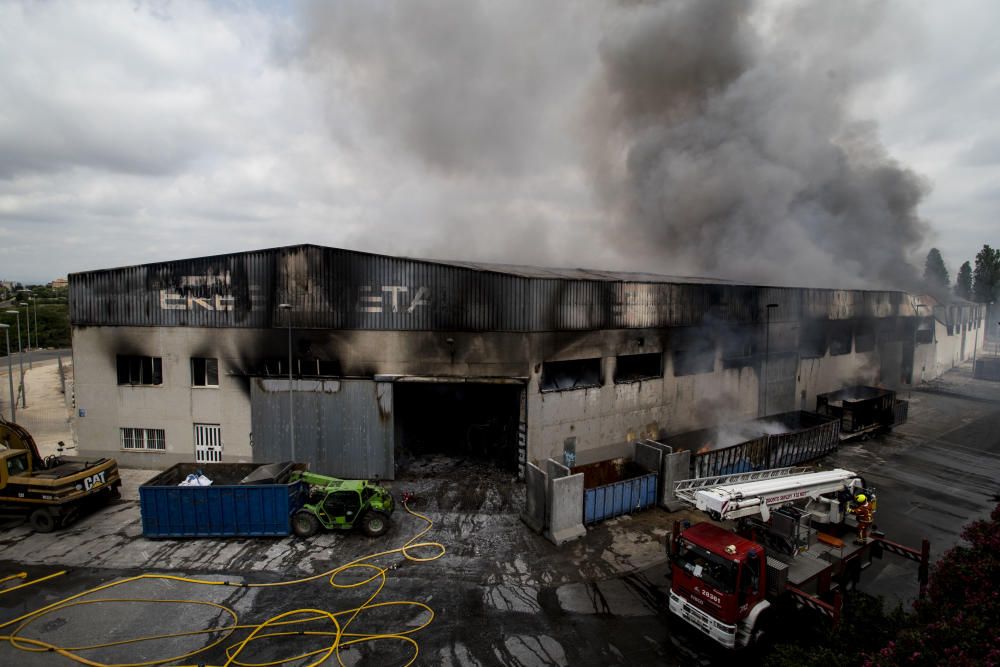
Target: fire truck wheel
[42, 520]
[305, 524]
[760, 631]
[374, 523]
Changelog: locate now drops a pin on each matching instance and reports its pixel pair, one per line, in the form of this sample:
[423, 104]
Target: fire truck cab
[719, 584]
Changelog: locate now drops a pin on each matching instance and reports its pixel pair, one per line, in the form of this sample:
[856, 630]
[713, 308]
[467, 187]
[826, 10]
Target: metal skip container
[243, 500]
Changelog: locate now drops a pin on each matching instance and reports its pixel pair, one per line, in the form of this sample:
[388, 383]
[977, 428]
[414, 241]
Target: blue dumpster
[616, 487]
[227, 508]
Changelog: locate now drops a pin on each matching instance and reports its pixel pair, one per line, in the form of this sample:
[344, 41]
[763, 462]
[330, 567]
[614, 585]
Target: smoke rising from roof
[718, 137]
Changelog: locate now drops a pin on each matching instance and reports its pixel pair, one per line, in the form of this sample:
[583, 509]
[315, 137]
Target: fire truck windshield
[713, 570]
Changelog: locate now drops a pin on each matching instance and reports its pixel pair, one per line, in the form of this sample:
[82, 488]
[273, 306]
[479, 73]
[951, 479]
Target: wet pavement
[501, 594]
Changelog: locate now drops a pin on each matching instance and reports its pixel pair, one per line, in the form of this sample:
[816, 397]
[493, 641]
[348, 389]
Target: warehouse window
[693, 350]
[635, 367]
[204, 372]
[864, 336]
[739, 346]
[925, 331]
[318, 368]
[575, 374]
[813, 338]
[149, 439]
[134, 370]
[840, 338]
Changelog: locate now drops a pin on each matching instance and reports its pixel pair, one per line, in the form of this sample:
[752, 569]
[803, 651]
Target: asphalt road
[34, 355]
[501, 595]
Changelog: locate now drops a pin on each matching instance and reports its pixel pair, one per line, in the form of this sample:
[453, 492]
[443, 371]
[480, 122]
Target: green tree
[986, 275]
[963, 283]
[935, 272]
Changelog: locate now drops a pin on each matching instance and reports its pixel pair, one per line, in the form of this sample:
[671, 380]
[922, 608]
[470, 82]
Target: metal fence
[809, 437]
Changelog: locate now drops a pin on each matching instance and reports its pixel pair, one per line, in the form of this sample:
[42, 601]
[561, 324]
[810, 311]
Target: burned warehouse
[359, 363]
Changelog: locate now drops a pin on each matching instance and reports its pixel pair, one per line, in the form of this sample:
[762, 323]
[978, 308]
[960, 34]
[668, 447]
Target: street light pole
[10, 374]
[767, 350]
[20, 356]
[287, 307]
[27, 324]
[35, 304]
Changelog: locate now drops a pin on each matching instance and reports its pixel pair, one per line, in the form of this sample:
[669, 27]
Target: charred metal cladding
[329, 288]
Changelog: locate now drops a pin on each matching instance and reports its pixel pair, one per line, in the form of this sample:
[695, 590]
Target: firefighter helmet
[860, 498]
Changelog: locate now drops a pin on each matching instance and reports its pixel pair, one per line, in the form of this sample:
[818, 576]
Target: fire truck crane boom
[751, 498]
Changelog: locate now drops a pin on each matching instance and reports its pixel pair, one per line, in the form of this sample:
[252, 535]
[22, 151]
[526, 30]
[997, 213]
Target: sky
[804, 143]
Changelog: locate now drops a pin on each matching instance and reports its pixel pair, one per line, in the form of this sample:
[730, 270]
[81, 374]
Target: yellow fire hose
[331, 624]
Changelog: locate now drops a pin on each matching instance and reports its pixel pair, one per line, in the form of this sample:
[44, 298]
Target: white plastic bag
[196, 480]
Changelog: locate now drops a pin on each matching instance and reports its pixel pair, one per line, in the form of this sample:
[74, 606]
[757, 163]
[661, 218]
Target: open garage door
[475, 421]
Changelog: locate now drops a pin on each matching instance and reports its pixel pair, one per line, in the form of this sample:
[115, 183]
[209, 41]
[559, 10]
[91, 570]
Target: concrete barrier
[676, 467]
[536, 483]
[565, 509]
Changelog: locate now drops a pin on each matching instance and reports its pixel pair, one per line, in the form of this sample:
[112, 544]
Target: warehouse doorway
[481, 422]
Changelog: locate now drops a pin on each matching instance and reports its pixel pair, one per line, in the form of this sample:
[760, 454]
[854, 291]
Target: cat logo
[93, 481]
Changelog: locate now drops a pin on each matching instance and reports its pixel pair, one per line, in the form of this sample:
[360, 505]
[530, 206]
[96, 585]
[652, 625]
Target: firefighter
[864, 511]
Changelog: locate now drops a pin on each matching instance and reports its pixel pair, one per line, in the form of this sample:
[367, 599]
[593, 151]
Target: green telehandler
[342, 504]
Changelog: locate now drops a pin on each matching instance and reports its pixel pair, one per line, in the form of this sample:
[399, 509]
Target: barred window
[152, 439]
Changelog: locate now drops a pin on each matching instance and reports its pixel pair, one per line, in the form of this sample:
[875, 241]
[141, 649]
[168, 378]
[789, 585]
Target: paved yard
[500, 593]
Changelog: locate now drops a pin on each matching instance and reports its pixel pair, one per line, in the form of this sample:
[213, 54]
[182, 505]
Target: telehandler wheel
[42, 520]
[374, 523]
[305, 524]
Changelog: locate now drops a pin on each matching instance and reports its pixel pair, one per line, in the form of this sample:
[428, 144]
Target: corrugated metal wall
[330, 288]
[344, 428]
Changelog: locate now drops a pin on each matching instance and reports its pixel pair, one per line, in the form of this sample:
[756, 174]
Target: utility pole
[287, 307]
[20, 356]
[27, 324]
[767, 351]
[10, 375]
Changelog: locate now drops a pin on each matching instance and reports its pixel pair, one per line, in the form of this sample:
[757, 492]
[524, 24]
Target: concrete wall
[103, 407]
[930, 361]
[604, 421]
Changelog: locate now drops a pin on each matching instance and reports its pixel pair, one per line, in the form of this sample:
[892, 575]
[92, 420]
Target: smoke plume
[711, 137]
[735, 154]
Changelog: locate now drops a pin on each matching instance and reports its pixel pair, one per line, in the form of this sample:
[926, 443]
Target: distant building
[59, 283]
[396, 358]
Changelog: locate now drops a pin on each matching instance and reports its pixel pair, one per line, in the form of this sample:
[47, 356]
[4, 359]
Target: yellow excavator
[50, 491]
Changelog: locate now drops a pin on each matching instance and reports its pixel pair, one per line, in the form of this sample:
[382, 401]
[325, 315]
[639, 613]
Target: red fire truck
[786, 544]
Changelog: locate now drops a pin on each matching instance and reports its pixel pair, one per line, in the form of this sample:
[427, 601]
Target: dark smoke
[718, 137]
[735, 154]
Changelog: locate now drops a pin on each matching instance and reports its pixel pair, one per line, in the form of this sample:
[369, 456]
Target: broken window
[813, 338]
[840, 338]
[864, 336]
[318, 368]
[204, 372]
[635, 367]
[925, 331]
[274, 367]
[575, 374]
[890, 330]
[693, 351]
[135, 370]
[739, 346]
